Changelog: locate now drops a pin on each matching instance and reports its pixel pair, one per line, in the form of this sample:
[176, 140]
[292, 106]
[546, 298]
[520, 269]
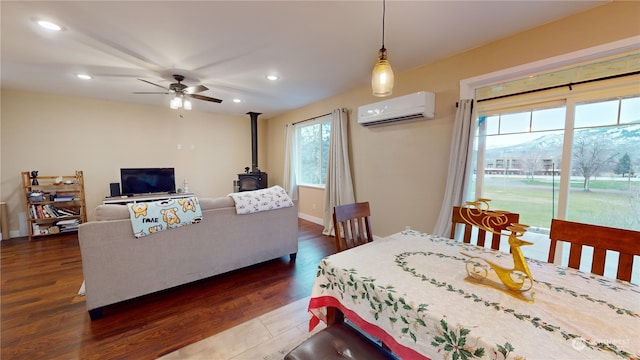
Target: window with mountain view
[605, 159]
[575, 156]
[521, 162]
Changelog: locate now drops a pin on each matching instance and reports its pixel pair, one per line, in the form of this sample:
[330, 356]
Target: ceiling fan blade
[149, 82]
[195, 89]
[148, 92]
[205, 98]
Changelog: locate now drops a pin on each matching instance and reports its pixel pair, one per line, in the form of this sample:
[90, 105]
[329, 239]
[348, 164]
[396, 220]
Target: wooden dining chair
[482, 218]
[601, 238]
[352, 225]
[352, 228]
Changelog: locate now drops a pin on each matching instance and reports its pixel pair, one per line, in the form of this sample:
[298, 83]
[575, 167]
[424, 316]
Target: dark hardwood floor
[42, 317]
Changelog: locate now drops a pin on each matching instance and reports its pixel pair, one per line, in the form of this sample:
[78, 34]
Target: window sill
[320, 187]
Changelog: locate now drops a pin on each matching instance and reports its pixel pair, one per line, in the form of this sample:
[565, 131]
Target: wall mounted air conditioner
[407, 107]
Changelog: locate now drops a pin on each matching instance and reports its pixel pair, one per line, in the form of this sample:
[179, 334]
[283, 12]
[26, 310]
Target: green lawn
[606, 204]
[593, 184]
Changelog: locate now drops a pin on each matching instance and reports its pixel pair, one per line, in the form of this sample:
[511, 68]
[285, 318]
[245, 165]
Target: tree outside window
[313, 149]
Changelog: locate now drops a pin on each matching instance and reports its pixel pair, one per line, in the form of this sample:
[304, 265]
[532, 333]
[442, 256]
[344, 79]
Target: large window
[312, 151]
[523, 158]
[572, 155]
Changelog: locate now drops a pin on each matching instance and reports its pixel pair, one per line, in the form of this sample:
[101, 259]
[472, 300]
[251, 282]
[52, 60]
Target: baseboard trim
[313, 219]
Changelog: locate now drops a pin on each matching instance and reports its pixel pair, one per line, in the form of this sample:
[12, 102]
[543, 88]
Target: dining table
[411, 291]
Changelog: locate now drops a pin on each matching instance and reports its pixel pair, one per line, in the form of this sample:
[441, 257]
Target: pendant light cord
[384, 10]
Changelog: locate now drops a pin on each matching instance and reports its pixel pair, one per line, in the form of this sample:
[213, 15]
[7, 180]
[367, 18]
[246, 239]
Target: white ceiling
[318, 48]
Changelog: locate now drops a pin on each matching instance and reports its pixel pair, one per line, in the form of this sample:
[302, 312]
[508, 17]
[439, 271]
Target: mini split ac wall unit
[407, 107]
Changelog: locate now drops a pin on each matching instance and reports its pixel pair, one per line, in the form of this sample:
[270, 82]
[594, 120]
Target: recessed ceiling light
[272, 77]
[236, 100]
[49, 25]
[84, 76]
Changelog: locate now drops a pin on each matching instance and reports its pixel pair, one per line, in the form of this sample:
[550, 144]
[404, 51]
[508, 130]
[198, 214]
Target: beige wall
[57, 135]
[310, 204]
[401, 169]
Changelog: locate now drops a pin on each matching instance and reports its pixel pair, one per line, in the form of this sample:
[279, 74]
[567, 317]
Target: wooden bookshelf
[53, 204]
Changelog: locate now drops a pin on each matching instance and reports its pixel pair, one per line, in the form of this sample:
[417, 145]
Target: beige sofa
[117, 266]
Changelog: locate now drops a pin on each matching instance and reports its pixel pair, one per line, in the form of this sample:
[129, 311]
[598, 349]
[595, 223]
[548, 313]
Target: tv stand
[122, 200]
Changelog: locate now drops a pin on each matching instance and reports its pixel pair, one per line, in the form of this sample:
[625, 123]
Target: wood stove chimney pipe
[254, 141]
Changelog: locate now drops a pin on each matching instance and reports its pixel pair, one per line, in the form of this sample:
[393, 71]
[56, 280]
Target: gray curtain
[459, 163]
[338, 186]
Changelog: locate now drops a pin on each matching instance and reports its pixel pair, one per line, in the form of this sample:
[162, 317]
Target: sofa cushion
[119, 212]
[111, 212]
[216, 203]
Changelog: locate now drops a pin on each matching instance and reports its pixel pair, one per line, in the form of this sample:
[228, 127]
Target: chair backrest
[456, 218]
[352, 225]
[601, 238]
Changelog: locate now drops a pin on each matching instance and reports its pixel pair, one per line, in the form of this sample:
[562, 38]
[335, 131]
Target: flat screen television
[147, 180]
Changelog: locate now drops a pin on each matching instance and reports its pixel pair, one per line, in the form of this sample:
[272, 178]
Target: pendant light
[382, 75]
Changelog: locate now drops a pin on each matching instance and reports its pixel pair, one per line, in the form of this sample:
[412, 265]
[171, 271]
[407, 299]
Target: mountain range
[614, 142]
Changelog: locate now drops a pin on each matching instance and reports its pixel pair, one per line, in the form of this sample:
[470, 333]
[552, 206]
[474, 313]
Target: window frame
[570, 98]
[321, 121]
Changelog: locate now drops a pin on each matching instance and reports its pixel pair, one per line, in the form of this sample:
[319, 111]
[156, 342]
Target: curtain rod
[472, 101]
[570, 84]
[309, 119]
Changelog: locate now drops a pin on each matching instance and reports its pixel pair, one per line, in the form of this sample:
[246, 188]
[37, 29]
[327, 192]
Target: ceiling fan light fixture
[179, 102]
[176, 103]
[181, 94]
[382, 74]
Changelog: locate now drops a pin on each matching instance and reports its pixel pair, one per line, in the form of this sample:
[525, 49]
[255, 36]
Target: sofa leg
[95, 314]
[292, 256]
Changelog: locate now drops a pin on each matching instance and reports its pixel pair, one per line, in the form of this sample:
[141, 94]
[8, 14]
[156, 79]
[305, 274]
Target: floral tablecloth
[411, 290]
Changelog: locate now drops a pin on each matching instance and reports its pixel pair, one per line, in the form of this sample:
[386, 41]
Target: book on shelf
[68, 225]
[63, 198]
[68, 221]
[66, 211]
[49, 211]
[52, 210]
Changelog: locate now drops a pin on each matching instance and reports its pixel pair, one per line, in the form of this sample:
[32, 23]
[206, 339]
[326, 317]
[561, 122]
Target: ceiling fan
[181, 90]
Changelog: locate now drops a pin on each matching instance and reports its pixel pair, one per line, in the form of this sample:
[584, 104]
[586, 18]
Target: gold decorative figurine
[518, 278]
